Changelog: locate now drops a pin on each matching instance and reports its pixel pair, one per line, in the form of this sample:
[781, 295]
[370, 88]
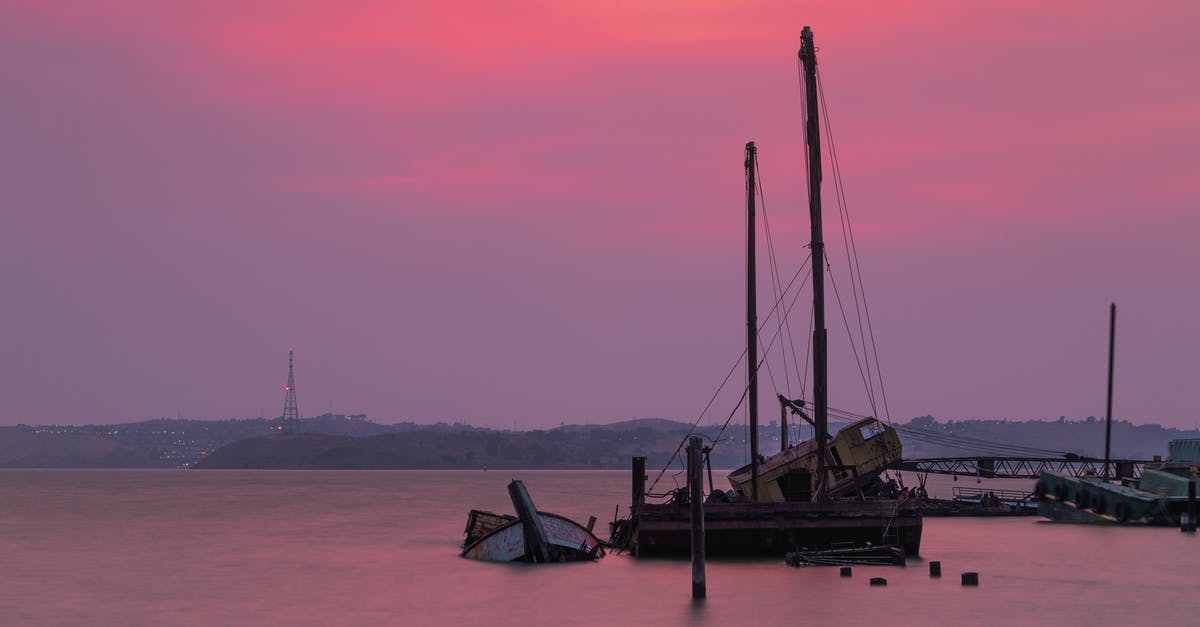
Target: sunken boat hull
[530, 536]
[566, 541]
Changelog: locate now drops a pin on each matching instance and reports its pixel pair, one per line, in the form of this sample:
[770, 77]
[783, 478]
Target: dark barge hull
[773, 529]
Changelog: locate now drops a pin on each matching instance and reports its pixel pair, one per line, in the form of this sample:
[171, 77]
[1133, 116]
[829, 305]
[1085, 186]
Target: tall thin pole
[1112, 340]
[751, 320]
[812, 136]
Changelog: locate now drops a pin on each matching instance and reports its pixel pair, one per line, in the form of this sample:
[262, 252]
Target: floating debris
[885, 555]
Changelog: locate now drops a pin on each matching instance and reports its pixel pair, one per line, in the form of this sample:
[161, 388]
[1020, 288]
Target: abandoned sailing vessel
[814, 495]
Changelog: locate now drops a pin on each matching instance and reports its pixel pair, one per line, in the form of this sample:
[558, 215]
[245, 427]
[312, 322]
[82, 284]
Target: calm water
[381, 548]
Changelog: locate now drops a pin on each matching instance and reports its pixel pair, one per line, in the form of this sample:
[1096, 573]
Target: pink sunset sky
[532, 212]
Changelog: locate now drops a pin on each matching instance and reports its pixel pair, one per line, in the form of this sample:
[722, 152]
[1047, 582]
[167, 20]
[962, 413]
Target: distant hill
[927, 437]
[563, 448]
[338, 441]
[31, 449]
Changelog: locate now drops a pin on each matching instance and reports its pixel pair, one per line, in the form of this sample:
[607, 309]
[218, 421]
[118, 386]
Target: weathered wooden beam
[696, 486]
[638, 502]
[537, 541]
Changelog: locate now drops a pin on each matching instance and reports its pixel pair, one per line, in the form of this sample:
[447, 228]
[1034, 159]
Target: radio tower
[291, 412]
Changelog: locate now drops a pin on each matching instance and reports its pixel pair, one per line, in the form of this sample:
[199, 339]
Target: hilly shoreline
[354, 442]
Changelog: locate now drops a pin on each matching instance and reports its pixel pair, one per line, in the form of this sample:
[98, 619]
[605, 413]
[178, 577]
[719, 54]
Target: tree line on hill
[339, 441]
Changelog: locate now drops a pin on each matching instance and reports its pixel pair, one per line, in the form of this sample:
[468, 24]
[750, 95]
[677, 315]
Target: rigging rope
[729, 375]
[744, 392]
[852, 251]
[853, 347]
[954, 441]
[865, 371]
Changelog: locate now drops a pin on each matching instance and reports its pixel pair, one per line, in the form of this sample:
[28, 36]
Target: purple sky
[534, 214]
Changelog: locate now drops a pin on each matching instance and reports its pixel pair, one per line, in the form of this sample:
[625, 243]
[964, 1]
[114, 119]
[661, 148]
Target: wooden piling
[1189, 522]
[935, 569]
[639, 498]
[639, 481]
[970, 579]
[696, 494]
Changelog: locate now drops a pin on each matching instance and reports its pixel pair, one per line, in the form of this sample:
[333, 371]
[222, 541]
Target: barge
[1159, 497]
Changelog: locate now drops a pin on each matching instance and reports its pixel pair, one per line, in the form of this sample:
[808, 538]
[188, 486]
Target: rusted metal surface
[865, 449]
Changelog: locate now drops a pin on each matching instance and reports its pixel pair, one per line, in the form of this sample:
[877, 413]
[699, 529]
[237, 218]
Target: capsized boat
[530, 536]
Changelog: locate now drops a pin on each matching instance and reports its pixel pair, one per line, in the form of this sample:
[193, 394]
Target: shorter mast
[1112, 340]
[751, 320]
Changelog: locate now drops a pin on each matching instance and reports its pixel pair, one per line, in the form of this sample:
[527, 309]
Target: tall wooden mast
[812, 135]
[751, 320]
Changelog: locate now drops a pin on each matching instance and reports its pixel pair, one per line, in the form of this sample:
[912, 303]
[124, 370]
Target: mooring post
[639, 498]
[696, 494]
[639, 482]
[1189, 524]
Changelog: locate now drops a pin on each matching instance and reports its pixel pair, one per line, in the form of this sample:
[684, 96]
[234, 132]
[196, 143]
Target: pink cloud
[459, 182]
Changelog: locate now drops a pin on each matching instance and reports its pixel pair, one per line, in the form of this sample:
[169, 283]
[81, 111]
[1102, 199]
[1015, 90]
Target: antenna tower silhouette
[291, 412]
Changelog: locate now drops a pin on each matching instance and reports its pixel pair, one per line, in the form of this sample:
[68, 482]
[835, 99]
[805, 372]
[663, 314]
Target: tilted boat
[855, 459]
[530, 536]
[814, 495]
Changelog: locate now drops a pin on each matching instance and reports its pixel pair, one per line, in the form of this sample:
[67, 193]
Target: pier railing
[1020, 467]
[1007, 496]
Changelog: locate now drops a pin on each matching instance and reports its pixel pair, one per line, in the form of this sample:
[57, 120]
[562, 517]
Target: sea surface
[175, 547]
